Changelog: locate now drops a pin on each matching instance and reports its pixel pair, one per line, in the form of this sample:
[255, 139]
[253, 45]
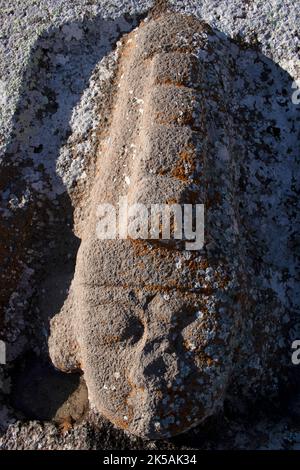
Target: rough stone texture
[271, 431]
[48, 52]
[163, 335]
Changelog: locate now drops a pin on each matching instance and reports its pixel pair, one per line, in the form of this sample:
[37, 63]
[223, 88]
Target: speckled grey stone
[49, 51]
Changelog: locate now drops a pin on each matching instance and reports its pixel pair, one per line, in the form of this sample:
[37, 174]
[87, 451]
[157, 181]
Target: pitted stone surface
[48, 52]
[155, 328]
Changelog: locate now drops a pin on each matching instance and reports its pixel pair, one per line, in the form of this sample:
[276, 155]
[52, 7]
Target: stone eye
[133, 331]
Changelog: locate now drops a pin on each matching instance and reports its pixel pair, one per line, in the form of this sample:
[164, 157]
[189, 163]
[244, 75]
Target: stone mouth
[163, 422]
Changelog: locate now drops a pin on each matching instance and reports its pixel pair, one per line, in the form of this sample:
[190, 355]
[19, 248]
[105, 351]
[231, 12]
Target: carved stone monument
[157, 329]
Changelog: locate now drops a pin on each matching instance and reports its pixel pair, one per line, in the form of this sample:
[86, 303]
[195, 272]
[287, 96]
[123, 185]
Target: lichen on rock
[177, 328]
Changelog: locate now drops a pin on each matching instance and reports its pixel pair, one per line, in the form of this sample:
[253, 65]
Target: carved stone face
[152, 325]
[156, 359]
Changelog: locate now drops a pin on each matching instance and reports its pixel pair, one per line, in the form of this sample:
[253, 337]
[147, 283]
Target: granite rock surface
[59, 64]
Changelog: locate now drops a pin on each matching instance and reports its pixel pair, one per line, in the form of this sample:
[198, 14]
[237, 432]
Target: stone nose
[154, 358]
[153, 362]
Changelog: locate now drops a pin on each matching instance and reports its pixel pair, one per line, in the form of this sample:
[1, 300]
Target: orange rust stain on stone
[109, 340]
[168, 82]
